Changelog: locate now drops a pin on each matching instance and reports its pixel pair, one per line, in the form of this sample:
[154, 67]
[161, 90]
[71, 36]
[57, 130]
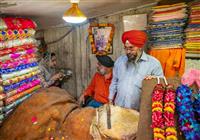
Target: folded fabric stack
[192, 31]
[18, 63]
[166, 26]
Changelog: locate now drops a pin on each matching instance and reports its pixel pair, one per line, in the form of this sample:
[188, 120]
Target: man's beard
[134, 57]
[102, 72]
[131, 57]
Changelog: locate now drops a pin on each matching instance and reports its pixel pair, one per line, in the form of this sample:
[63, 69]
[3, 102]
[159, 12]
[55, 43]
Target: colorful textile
[166, 26]
[20, 78]
[17, 42]
[2, 96]
[6, 64]
[135, 37]
[23, 87]
[17, 102]
[19, 95]
[18, 63]
[1, 104]
[17, 85]
[16, 23]
[16, 49]
[19, 73]
[169, 7]
[16, 34]
[18, 68]
[18, 54]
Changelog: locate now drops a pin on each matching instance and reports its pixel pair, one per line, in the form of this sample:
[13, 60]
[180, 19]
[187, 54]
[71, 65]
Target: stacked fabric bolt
[18, 63]
[166, 26]
[192, 43]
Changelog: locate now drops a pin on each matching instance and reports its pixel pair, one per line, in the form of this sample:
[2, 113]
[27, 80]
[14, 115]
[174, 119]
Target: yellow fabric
[168, 6]
[124, 123]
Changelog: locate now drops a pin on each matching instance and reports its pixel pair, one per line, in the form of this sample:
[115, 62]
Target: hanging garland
[163, 123]
[187, 122]
[169, 109]
[157, 111]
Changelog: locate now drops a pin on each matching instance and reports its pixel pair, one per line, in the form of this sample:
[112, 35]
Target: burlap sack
[50, 114]
[124, 123]
[144, 129]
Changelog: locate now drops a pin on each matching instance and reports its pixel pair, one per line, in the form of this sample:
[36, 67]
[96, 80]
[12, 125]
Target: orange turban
[136, 37]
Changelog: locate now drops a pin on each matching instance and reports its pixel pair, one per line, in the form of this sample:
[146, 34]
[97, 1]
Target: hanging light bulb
[74, 14]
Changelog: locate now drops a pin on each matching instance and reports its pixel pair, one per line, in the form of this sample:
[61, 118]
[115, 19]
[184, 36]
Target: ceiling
[49, 13]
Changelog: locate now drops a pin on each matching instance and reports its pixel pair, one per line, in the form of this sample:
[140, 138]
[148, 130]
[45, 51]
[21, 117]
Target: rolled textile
[16, 49]
[169, 7]
[17, 102]
[18, 63]
[2, 116]
[2, 24]
[18, 68]
[1, 90]
[179, 16]
[193, 26]
[1, 103]
[16, 23]
[17, 96]
[17, 85]
[18, 54]
[7, 113]
[19, 73]
[2, 95]
[1, 110]
[192, 29]
[16, 34]
[169, 13]
[20, 78]
[191, 40]
[165, 46]
[7, 62]
[23, 88]
[17, 42]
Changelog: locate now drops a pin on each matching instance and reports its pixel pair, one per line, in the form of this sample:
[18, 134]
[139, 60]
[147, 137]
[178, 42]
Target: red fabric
[99, 88]
[16, 49]
[136, 37]
[19, 23]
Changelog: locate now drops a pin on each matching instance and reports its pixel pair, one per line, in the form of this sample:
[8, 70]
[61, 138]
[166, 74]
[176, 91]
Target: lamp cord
[67, 33]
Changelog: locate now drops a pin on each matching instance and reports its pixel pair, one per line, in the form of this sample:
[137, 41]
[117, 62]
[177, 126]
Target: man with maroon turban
[130, 70]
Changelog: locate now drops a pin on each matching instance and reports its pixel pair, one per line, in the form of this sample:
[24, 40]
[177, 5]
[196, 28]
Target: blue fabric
[18, 68]
[16, 85]
[169, 21]
[94, 103]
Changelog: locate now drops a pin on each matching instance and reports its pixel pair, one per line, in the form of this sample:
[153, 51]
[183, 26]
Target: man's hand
[149, 77]
[56, 76]
[81, 99]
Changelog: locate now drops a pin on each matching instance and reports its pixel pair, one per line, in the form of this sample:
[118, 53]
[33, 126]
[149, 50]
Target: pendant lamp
[74, 14]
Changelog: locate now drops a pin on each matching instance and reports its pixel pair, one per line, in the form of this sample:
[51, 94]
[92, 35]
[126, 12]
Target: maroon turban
[136, 37]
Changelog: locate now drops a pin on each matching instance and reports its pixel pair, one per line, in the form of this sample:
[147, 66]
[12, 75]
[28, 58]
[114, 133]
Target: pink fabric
[14, 64]
[178, 16]
[190, 77]
[28, 86]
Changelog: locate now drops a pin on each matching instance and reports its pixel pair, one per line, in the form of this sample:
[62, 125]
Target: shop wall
[74, 50]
